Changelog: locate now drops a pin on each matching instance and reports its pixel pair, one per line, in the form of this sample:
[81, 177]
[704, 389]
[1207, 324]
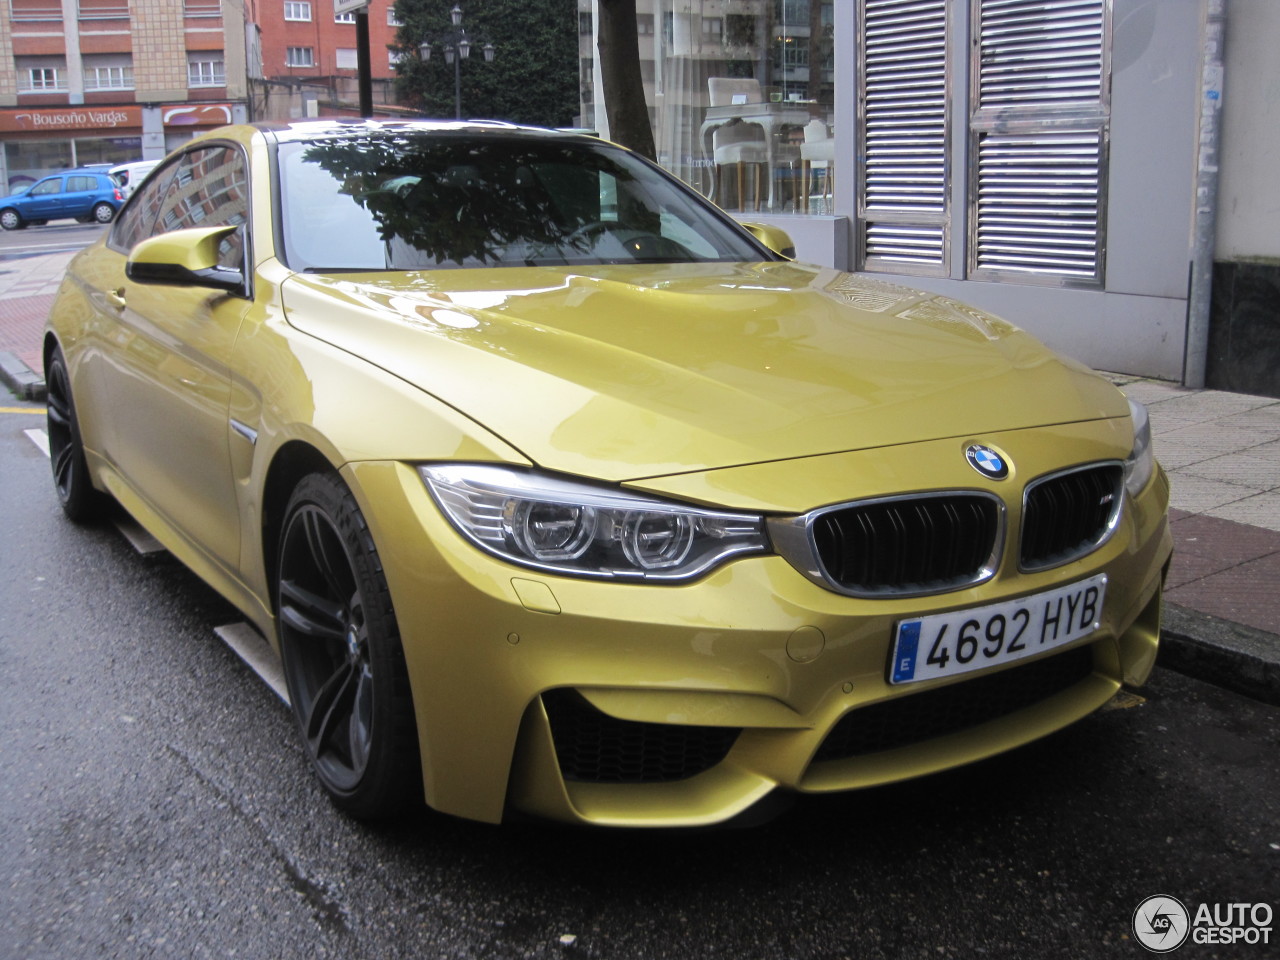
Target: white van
[129, 175]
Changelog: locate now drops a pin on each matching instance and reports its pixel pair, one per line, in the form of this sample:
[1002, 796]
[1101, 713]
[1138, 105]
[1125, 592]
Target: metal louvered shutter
[1038, 141]
[903, 125]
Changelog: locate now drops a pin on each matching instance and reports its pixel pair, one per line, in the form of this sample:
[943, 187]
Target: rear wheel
[11, 220]
[104, 212]
[342, 655]
[80, 501]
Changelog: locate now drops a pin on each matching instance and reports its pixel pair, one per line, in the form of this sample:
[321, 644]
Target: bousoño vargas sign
[72, 118]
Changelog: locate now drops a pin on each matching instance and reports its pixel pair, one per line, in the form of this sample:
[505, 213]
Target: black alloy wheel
[80, 501]
[342, 655]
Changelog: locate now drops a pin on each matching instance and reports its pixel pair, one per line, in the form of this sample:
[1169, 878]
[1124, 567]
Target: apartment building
[308, 58]
[108, 81]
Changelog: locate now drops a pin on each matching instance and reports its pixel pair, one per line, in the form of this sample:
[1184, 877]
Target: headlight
[1141, 462]
[574, 528]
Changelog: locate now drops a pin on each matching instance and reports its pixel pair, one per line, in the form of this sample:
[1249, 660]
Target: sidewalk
[1221, 450]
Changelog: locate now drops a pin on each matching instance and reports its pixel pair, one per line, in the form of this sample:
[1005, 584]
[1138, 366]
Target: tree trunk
[620, 76]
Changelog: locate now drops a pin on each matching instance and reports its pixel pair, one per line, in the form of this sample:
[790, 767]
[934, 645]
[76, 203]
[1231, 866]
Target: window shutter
[1038, 141]
[903, 204]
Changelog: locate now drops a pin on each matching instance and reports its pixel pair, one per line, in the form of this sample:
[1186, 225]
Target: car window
[46, 187]
[441, 201]
[205, 187]
[81, 184]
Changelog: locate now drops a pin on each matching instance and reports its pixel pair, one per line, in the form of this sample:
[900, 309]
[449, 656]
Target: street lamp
[456, 49]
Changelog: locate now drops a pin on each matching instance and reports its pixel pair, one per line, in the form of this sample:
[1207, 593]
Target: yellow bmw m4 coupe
[559, 492]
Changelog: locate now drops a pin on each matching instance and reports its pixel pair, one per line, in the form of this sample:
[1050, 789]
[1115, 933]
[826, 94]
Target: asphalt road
[156, 804]
[58, 236]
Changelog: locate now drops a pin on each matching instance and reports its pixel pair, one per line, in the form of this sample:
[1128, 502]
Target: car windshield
[439, 200]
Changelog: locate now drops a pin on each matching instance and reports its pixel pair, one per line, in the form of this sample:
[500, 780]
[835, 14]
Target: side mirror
[775, 238]
[184, 258]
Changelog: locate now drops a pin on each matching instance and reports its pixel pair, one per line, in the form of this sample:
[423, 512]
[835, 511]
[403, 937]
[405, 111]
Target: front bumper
[686, 705]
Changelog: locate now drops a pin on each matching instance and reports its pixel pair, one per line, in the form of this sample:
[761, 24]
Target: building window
[108, 78]
[104, 9]
[297, 10]
[299, 57]
[206, 73]
[345, 59]
[42, 80]
[584, 22]
[20, 10]
[712, 28]
[202, 8]
[392, 19]
[644, 24]
[394, 57]
[344, 18]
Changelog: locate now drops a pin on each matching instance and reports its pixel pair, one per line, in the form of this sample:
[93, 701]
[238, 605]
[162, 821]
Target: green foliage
[532, 79]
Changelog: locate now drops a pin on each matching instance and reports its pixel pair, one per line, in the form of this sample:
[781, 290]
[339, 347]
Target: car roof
[340, 128]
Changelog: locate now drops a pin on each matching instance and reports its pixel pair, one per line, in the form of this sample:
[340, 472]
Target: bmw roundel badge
[986, 461]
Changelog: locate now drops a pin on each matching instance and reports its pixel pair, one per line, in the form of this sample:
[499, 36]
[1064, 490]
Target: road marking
[38, 411]
[257, 655]
[40, 439]
[130, 529]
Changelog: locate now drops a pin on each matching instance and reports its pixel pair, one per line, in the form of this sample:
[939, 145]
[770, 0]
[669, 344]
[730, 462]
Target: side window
[46, 187]
[205, 187]
[210, 189]
[135, 220]
[81, 184]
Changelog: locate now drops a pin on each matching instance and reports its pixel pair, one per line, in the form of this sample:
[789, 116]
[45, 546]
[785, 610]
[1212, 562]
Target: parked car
[129, 175]
[87, 194]
[558, 491]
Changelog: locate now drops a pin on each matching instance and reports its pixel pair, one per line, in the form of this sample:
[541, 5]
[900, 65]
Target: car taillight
[118, 197]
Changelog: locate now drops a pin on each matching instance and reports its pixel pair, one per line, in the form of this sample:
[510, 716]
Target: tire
[103, 212]
[342, 655]
[80, 501]
[11, 220]
[87, 218]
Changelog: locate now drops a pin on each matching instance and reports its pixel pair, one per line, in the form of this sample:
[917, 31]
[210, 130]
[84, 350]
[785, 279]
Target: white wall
[1249, 152]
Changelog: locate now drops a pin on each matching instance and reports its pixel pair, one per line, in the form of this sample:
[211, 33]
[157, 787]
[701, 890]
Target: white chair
[818, 152]
[736, 142]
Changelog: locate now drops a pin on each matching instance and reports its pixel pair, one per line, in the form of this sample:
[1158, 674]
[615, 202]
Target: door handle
[116, 298]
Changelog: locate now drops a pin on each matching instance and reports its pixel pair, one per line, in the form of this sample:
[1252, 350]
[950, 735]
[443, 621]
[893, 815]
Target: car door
[45, 200]
[78, 199]
[167, 376]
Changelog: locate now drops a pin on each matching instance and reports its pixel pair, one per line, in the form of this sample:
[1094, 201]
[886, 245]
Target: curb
[19, 378]
[1240, 658]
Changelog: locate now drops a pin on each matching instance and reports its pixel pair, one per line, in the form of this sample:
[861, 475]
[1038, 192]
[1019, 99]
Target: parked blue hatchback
[86, 195]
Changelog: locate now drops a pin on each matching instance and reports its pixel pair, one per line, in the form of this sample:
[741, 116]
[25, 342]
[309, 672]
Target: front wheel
[11, 220]
[80, 501]
[104, 212]
[342, 655]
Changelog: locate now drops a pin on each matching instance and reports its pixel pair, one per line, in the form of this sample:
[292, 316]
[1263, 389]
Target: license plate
[948, 644]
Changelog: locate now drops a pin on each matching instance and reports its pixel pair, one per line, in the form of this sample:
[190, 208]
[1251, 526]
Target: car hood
[648, 370]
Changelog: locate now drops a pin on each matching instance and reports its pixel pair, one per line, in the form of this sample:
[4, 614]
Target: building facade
[110, 81]
[1052, 161]
[308, 64]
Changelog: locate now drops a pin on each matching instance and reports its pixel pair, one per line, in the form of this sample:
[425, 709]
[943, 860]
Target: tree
[624, 102]
[534, 74]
